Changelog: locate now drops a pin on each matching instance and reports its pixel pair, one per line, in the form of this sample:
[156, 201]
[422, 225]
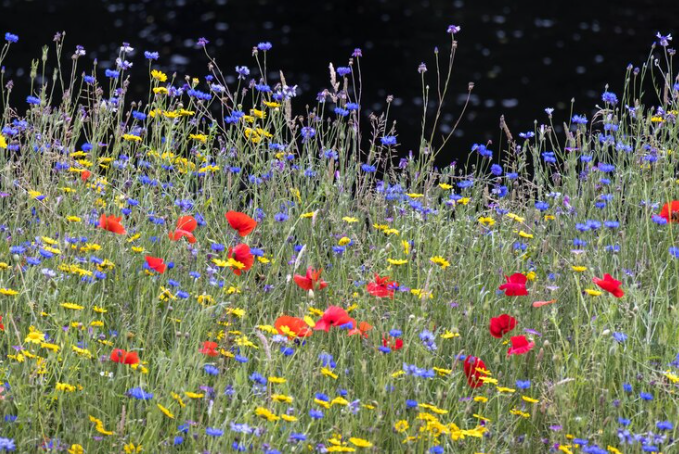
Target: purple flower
[452, 29]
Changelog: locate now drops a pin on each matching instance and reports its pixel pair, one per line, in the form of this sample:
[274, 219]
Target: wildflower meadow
[220, 268]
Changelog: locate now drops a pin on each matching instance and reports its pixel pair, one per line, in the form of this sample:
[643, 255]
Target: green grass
[577, 368]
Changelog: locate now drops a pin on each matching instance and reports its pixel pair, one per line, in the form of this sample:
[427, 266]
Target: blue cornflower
[482, 150]
[368, 168]
[214, 432]
[620, 337]
[606, 168]
[465, 184]
[436, 450]
[627, 387]
[316, 414]
[7, 444]
[664, 425]
[609, 98]
[624, 422]
[548, 156]
[674, 251]
[388, 140]
[646, 396]
[33, 100]
[523, 384]
[352, 106]
[11, 37]
[579, 119]
[411, 403]
[658, 219]
[612, 224]
[242, 71]
[297, 437]
[512, 175]
[151, 55]
[384, 350]
[211, 370]
[343, 70]
[139, 394]
[241, 359]
[264, 46]
[112, 73]
[496, 170]
[141, 116]
[395, 333]
[542, 206]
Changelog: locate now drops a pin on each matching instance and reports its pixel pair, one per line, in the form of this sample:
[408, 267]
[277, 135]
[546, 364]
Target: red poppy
[361, 329]
[241, 222]
[112, 224]
[333, 316]
[156, 264]
[85, 174]
[609, 284]
[472, 370]
[295, 325]
[396, 344]
[499, 326]
[209, 348]
[119, 355]
[515, 285]
[185, 225]
[520, 346]
[241, 254]
[311, 281]
[670, 211]
[382, 287]
[2, 327]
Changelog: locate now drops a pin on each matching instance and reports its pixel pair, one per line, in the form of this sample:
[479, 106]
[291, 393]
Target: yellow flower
[76, 449]
[593, 292]
[277, 380]
[258, 113]
[523, 234]
[65, 387]
[445, 186]
[3, 141]
[487, 221]
[530, 400]
[159, 75]
[165, 411]
[310, 214]
[81, 352]
[443, 372]
[199, 137]
[464, 200]
[328, 373]
[131, 448]
[53, 347]
[286, 417]
[440, 261]
[178, 398]
[192, 395]
[73, 306]
[397, 262]
[579, 269]
[361, 443]
[415, 195]
[34, 336]
[531, 275]
[515, 217]
[282, 398]
[344, 241]
[264, 413]
[481, 399]
[349, 220]
[401, 426]
[449, 335]
[502, 389]
[8, 292]
[131, 138]
[160, 90]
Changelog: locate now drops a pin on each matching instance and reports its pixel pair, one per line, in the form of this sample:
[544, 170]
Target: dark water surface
[523, 56]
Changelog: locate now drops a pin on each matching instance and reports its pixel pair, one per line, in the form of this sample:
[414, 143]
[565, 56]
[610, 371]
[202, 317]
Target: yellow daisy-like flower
[8, 292]
[397, 262]
[165, 411]
[73, 306]
[159, 75]
[344, 241]
[593, 292]
[349, 220]
[579, 269]
[359, 442]
[329, 373]
[445, 186]
[401, 426]
[487, 221]
[3, 141]
[523, 234]
[192, 395]
[440, 261]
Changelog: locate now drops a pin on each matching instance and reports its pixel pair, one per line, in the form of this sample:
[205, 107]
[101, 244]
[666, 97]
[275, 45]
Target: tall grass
[328, 191]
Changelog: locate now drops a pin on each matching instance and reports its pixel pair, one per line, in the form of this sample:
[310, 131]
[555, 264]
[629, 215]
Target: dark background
[523, 56]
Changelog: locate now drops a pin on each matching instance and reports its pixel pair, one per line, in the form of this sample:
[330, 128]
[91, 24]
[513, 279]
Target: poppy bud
[311, 294]
[606, 332]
